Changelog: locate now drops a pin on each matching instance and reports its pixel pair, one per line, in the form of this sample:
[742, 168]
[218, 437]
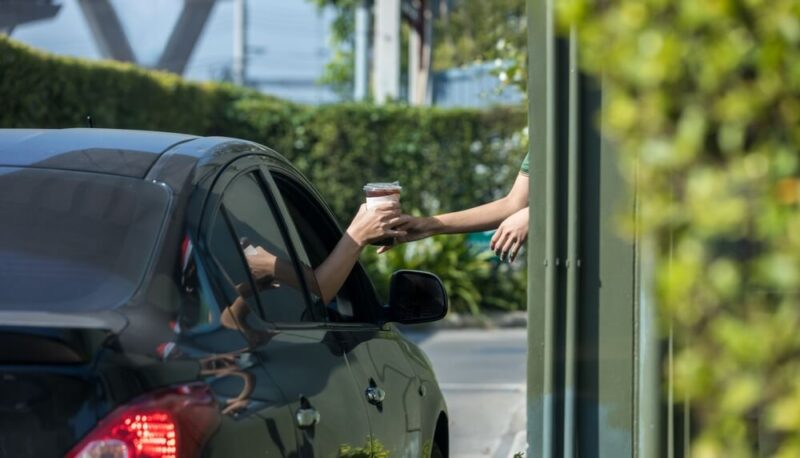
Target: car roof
[120, 152]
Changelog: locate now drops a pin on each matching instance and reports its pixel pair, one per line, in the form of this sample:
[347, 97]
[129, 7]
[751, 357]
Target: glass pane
[199, 311]
[254, 223]
[224, 323]
[237, 306]
[319, 237]
[73, 241]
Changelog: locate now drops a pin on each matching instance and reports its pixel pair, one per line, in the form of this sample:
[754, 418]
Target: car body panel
[118, 152]
[379, 363]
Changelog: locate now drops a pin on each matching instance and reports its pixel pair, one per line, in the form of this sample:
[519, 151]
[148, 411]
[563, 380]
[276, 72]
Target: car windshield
[73, 241]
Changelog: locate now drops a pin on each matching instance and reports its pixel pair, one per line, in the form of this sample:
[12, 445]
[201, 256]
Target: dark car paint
[117, 152]
[123, 359]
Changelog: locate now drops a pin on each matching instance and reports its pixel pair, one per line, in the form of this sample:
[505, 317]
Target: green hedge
[445, 159]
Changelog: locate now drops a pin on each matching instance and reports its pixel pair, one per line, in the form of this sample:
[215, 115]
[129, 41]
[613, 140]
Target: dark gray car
[120, 264]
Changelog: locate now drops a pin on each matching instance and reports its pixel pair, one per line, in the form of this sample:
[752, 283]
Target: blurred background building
[308, 51]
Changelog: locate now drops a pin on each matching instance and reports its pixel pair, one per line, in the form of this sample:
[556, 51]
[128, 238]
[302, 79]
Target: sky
[289, 40]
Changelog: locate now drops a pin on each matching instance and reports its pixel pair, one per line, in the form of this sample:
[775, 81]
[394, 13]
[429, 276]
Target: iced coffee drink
[382, 192]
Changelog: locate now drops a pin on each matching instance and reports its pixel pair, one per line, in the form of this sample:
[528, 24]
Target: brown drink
[382, 192]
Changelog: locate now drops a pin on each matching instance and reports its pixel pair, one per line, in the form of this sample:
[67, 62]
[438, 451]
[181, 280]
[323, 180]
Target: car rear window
[73, 240]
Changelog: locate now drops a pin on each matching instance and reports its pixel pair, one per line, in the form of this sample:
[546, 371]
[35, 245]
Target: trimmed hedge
[445, 159]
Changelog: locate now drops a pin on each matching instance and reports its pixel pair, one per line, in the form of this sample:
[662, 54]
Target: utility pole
[419, 52]
[240, 42]
[362, 51]
[387, 50]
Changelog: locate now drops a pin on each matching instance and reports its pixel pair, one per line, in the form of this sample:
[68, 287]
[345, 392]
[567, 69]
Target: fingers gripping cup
[382, 192]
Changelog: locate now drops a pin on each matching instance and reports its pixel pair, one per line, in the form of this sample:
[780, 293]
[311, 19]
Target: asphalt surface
[482, 375]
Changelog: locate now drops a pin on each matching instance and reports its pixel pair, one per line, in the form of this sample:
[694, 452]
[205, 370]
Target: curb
[496, 320]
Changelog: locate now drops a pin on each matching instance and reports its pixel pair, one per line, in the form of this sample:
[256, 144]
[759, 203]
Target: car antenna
[89, 122]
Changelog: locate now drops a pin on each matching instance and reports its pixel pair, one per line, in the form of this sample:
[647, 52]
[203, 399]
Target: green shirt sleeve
[523, 169]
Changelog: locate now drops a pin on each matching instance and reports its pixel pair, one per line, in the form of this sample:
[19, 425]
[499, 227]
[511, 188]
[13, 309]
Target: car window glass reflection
[203, 314]
[72, 241]
[318, 239]
[197, 312]
[246, 210]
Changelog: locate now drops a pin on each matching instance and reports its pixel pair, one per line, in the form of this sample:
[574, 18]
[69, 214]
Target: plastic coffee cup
[382, 192]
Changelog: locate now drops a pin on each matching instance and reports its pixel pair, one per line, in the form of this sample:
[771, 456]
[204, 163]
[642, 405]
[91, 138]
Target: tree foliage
[470, 30]
[467, 32]
[479, 31]
[702, 99]
[339, 72]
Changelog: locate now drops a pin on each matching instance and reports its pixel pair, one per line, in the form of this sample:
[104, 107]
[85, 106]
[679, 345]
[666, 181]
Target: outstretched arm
[326, 280]
[480, 218]
[367, 226]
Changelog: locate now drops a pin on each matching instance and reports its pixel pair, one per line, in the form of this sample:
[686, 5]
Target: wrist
[272, 265]
[432, 225]
[356, 236]
[262, 264]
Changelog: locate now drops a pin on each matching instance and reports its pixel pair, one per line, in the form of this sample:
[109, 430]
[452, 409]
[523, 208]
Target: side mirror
[416, 297]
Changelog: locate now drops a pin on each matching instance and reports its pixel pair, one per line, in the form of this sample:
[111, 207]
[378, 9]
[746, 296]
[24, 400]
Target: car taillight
[173, 422]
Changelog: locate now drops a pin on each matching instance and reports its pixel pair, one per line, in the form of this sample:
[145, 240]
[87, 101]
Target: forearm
[333, 272]
[268, 269]
[483, 217]
[286, 274]
[368, 225]
[480, 218]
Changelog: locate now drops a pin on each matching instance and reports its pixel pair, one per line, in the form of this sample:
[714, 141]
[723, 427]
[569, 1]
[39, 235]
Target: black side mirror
[416, 297]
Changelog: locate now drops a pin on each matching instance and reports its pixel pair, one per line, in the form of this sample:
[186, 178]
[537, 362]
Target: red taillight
[169, 423]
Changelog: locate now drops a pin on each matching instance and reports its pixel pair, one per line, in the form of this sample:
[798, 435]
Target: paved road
[482, 374]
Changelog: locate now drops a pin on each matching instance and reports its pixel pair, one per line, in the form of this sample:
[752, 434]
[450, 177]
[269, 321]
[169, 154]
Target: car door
[389, 387]
[282, 329]
[257, 420]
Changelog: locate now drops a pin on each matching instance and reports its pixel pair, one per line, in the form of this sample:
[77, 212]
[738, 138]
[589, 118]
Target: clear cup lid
[394, 185]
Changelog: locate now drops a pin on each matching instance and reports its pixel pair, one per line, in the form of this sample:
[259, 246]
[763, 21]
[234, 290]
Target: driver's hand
[381, 221]
[262, 264]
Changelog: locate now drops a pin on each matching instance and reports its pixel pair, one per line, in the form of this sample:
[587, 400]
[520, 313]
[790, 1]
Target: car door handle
[306, 418]
[375, 395]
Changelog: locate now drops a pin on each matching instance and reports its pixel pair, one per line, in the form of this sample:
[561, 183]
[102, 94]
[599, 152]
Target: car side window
[198, 311]
[318, 233]
[218, 322]
[246, 230]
